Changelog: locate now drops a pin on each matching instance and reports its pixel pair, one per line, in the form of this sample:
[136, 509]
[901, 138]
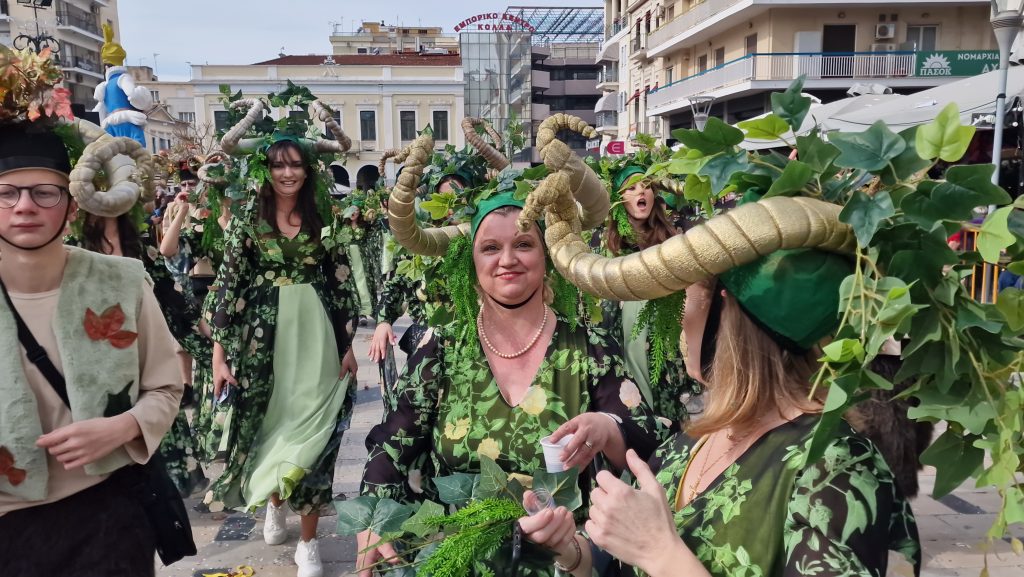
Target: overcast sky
[248, 31]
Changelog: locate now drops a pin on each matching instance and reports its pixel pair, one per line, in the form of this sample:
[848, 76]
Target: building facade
[75, 25]
[374, 38]
[658, 54]
[528, 63]
[381, 101]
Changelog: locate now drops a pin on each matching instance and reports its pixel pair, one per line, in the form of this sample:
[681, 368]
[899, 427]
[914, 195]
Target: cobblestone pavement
[952, 528]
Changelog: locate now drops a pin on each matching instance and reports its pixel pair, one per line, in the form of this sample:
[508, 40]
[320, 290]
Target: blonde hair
[549, 291]
[751, 374]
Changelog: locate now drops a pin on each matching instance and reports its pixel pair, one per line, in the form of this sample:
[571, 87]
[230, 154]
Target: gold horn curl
[735, 238]
[495, 159]
[129, 169]
[402, 205]
[568, 171]
[232, 142]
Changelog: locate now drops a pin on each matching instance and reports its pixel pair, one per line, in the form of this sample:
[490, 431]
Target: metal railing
[616, 26]
[78, 19]
[608, 75]
[687, 20]
[787, 66]
[607, 119]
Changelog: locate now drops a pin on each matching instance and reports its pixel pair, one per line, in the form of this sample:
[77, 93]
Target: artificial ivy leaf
[716, 137]
[456, 489]
[418, 525]
[967, 187]
[1011, 304]
[955, 459]
[769, 127]
[870, 150]
[687, 165]
[865, 213]
[698, 189]
[563, 487]
[814, 151]
[792, 106]
[493, 480]
[908, 163]
[843, 351]
[721, 168]
[1014, 513]
[794, 177]
[355, 515]
[994, 235]
[944, 137]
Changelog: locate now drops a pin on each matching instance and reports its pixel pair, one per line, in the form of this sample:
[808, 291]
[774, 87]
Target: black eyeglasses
[44, 195]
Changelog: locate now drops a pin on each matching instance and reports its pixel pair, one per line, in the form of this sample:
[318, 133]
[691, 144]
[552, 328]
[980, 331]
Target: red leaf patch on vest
[14, 475]
[107, 326]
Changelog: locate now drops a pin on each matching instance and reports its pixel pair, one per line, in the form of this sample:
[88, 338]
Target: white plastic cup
[553, 453]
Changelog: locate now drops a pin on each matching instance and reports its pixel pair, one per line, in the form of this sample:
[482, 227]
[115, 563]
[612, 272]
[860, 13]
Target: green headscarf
[794, 294]
[491, 204]
[623, 175]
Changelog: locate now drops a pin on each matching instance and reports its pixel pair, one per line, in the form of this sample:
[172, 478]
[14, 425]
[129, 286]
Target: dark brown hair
[305, 204]
[94, 240]
[654, 230]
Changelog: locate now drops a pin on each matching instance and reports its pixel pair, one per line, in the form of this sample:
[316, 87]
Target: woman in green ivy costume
[648, 330]
[735, 495]
[285, 306]
[506, 374]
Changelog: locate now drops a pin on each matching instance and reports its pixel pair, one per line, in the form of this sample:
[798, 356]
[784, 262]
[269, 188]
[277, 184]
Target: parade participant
[200, 234]
[450, 172]
[105, 388]
[510, 370]
[123, 235]
[772, 480]
[285, 306]
[637, 221]
[121, 104]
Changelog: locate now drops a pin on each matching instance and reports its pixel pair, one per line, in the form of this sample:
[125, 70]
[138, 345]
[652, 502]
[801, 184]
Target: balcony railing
[608, 75]
[609, 119]
[692, 17]
[788, 66]
[78, 19]
[636, 44]
[616, 26]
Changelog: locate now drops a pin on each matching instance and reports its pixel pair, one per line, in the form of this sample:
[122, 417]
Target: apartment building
[75, 26]
[658, 54]
[378, 38]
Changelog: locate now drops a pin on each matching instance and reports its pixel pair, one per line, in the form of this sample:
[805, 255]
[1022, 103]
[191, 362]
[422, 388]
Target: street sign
[616, 147]
[956, 62]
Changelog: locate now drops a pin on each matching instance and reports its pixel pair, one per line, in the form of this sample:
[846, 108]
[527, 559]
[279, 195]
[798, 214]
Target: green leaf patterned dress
[768, 516]
[449, 411]
[260, 271]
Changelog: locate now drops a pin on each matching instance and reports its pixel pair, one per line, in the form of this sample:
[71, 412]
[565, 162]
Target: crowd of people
[218, 326]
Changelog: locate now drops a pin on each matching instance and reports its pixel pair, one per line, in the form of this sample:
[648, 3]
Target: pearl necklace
[521, 352]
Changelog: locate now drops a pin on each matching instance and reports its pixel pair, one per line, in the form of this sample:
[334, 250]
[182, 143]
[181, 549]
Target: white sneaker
[307, 557]
[275, 530]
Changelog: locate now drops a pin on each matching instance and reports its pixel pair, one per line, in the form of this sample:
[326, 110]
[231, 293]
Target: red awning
[635, 95]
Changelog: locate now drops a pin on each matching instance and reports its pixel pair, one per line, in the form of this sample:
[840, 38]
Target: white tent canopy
[974, 96]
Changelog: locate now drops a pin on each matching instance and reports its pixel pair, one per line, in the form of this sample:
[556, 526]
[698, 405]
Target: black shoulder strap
[36, 353]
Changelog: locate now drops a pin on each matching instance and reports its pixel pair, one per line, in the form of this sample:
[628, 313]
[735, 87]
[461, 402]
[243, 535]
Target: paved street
[952, 529]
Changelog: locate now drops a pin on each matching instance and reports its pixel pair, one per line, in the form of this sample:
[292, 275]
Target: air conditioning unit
[885, 31]
[883, 47]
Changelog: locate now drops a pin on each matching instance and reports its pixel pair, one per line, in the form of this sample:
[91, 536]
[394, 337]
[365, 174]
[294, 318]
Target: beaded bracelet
[579, 558]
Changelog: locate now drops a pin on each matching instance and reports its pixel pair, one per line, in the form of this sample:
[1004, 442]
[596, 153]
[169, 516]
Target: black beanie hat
[23, 145]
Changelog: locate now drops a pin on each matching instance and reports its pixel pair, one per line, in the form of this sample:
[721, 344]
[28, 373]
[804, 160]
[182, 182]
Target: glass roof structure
[555, 25]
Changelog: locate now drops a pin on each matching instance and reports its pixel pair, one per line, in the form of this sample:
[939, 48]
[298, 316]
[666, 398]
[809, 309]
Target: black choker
[515, 306]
